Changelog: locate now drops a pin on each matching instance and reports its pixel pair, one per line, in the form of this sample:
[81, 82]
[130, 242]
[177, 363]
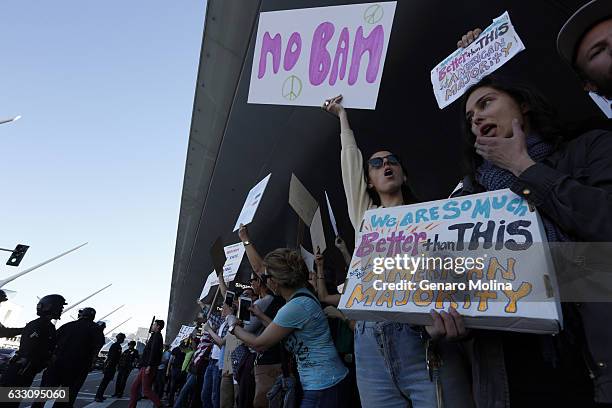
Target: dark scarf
[492, 178]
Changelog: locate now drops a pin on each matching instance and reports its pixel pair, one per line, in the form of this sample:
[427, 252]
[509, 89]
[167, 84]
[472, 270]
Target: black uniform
[126, 363]
[10, 332]
[110, 366]
[37, 343]
[78, 344]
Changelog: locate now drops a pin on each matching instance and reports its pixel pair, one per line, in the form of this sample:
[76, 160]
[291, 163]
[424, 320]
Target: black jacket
[128, 359]
[113, 356]
[37, 342]
[573, 187]
[78, 344]
[152, 354]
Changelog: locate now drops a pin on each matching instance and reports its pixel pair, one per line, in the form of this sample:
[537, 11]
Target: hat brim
[576, 26]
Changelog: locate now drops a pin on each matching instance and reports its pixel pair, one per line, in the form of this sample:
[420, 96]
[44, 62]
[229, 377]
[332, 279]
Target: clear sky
[106, 92]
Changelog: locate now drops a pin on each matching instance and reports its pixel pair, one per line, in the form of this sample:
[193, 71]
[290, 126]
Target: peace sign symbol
[373, 14]
[292, 88]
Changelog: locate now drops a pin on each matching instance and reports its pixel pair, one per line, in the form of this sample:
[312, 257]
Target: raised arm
[255, 259]
[341, 245]
[322, 293]
[351, 163]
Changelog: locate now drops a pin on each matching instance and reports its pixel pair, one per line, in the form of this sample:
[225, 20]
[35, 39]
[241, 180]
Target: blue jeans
[391, 366]
[211, 386]
[186, 390]
[332, 397]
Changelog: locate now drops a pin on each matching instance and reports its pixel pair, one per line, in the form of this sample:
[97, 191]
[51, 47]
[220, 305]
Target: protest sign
[484, 254]
[252, 202]
[302, 202]
[184, 333]
[308, 259]
[332, 219]
[307, 55]
[234, 254]
[495, 46]
[317, 233]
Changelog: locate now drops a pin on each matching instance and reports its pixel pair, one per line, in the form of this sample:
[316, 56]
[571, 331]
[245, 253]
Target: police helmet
[88, 313]
[51, 306]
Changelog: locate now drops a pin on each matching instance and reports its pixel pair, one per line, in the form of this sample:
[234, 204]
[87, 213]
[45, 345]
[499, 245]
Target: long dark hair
[407, 194]
[542, 116]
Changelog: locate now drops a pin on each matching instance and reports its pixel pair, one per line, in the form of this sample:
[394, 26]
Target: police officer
[38, 340]
[78, 344]
[7, 331]
[126, 363]
[110, 366]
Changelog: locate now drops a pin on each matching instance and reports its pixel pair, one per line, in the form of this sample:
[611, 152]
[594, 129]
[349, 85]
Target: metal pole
[104, 317]
[18, 274]
[84, 299]
[117, 326]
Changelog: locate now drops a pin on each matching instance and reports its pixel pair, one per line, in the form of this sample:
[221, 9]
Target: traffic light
[17, 255]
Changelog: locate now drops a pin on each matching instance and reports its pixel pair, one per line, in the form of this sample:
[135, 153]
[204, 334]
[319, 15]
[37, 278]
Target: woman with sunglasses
[302, 325]
[390, 357]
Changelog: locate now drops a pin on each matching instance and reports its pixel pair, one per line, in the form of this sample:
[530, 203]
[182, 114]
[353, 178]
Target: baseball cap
[576, 26]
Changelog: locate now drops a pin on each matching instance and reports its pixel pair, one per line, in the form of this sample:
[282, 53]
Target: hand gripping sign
[495, 46]
[484, 254]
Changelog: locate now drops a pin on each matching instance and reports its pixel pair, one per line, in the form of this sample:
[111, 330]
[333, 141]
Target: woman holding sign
[390, 357]
[302, 326]
[514, 141]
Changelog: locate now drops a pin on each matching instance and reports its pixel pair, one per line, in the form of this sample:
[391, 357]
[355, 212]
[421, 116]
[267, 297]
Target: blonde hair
[287, 267]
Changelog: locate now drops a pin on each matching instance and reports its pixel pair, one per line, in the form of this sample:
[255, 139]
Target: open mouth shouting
[487, 130]
[388, 172]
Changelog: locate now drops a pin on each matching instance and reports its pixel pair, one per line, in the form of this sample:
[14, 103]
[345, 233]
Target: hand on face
[509, 153]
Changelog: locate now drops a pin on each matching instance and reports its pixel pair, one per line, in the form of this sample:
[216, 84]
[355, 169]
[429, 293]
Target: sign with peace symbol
[305, 56]
[373, 14]
[292, 88]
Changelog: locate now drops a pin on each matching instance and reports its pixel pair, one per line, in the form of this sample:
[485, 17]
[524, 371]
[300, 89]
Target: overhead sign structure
[495, 46]
[252, 202]
[234, 254]
[305, 56]
[484, 254]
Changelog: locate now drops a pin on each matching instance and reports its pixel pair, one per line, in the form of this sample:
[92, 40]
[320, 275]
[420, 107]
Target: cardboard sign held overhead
[306, 55]
[317, 233]
[252, 202]
[332, 219]
[217, 255]
[302, 202]
[495, 46]
[308, 258]
[234, 254]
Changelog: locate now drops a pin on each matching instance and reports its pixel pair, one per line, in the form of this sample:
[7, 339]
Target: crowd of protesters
[295, 348]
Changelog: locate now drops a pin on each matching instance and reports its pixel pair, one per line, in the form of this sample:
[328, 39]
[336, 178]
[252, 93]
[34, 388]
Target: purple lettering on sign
[291, 55]
[341, 52]
[373, 44]
[273, 46]
[320, 60]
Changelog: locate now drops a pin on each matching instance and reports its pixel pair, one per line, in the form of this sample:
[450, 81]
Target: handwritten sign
[484, 254]
[304, 56]
[184, 333]
[495, 46]
[252, 202]
[234, 254]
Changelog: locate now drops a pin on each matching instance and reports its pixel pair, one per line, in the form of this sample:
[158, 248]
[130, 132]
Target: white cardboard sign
[234, 254]
[305, 56]
[495, 46]
[182, 335]
[252, 202]
[509, 284]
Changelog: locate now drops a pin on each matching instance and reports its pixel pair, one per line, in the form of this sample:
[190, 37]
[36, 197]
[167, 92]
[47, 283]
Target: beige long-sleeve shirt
[355, 186]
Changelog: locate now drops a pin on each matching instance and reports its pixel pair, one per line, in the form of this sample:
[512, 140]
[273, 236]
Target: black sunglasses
[378, 162]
